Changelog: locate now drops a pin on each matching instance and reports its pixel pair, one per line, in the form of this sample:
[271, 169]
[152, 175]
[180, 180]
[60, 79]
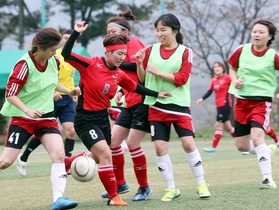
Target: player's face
[218, 70]
[165, 34]
[48, 53]
[260, 35]
[113, 29]
[51, 51]
[64, 39]
[115, 57]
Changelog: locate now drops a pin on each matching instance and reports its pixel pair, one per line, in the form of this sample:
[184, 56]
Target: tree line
[212, 28]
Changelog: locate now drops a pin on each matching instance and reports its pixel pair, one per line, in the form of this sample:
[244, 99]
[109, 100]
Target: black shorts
[92, 127]
[135, 117]
[21, 129]
[161, 131]
[243, 130]
[223, 114]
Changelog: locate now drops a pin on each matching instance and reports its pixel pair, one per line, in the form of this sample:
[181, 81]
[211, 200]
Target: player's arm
[205, 96]
[15, 83]
[74, 92]
[128, 66]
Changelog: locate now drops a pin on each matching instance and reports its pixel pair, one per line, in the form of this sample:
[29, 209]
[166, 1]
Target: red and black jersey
[133, 46]
[220, 86]
[98, 83]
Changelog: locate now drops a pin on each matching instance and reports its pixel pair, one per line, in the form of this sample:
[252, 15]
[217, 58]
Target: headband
[116, 24]
[116, 47]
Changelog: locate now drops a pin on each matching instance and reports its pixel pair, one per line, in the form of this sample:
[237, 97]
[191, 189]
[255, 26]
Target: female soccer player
[29, 101]
[64, 109]
[220, 85]
[132, 123]
[99, 80]
[252, 71]
[167, 66]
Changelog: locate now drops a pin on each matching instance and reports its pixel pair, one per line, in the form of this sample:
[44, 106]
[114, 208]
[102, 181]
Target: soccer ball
[84, 169]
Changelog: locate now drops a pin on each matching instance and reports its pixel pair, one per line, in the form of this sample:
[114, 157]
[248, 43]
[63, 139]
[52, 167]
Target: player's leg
[263, 153]
[139, 127]
[65, 111]
[22, 158]
[119, 132]
[271, 132]
[160, 134]
[69, 142]
[184, 129]
[54, 145]
[97, 139]
[229, 128]
[18, 133]
[218, 133]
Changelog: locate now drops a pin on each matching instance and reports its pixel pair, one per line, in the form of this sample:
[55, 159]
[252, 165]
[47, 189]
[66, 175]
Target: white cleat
[21, 166]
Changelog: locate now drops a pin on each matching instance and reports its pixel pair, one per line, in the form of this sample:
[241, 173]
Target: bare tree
[215, 28]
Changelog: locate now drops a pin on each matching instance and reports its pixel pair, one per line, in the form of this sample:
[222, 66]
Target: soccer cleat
[246, 153]
[268, 184]
[203, 190]
[63, 203]
[116, 201]
[273, 148]
[142, 194]
[21, 166]
[209, 149]
[121, 189]
[171, 194]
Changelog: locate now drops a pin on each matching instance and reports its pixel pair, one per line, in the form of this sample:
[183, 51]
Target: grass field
[233, 178]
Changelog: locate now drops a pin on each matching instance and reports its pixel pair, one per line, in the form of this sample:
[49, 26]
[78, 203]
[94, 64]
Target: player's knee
[5, 164]
[70, 133]
[242, 148]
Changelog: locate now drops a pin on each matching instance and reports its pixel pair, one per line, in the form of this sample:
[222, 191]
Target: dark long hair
[172, 21]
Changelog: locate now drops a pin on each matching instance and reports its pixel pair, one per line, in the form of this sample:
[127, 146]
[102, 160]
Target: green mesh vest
[37, 92]
[180, 95]
[257, 73]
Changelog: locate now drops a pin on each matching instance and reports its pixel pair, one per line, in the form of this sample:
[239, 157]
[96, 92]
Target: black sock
[33, 144]
[69, 146]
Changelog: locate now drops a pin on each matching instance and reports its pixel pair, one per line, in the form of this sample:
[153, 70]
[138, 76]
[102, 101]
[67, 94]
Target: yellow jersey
[66, 72]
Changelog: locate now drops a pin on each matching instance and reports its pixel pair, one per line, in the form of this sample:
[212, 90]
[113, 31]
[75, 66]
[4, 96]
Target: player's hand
[34, 113]
[75, 92]
[139, 55]
[164, 95]
[118, 98]
[152, 70]
[199, 101]
[57, 96]
[80, 26]
[238, 83]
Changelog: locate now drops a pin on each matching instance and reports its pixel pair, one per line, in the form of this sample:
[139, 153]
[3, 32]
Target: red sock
[107, 177]
[217, 137]
[118, 161]
[68, 160]
[271, 132]
[140, 166]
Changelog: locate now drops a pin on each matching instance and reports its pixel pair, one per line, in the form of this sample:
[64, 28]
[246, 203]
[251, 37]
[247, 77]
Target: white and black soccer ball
[84, 169]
